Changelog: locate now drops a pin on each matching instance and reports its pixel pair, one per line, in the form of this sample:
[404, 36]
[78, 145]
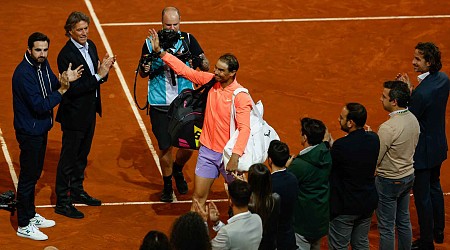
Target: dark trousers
[429, 201]
[76, 146]
[32, 154]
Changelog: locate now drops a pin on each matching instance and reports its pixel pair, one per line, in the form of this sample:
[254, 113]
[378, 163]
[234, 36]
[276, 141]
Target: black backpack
[186, 114]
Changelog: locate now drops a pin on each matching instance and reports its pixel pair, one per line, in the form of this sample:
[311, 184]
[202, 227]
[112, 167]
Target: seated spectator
[189, 233]
[264, 203]
[155, 240]
[285, 184]
[244, 229]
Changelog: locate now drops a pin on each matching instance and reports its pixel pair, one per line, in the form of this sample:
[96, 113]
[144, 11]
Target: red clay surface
[297, 68]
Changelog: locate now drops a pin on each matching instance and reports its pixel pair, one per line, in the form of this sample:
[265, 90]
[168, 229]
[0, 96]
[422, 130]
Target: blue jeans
[349, 229]
[393, 210]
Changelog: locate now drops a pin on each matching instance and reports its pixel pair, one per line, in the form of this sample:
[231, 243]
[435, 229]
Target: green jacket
[312, 209]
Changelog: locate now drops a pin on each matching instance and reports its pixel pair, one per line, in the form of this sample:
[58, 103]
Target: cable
[134, 91]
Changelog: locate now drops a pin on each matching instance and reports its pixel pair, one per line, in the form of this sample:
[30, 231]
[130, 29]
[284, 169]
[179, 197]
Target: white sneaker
[42, 222]
[31, 232]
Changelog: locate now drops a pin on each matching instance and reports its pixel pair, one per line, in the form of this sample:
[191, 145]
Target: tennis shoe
[31, 232]
[42, 222]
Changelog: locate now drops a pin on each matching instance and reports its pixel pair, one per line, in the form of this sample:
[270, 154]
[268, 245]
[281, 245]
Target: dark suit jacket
[428, 103]
[286, 185]
[79, 104]
[352, 179]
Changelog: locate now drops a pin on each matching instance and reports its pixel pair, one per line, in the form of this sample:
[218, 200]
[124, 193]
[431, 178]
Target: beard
[218, 78]
[345, 129]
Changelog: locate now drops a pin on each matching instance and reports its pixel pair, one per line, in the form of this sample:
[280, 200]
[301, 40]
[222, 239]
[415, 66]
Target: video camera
[8, 202]
[167, 39]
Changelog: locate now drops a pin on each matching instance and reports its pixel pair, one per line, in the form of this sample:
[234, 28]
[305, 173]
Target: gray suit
[243, 232]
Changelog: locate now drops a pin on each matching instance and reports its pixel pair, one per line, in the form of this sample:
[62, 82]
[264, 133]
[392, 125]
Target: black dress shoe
[418, 244]
[86, 199]
[439, 237]
[69, 210]
[415, 245]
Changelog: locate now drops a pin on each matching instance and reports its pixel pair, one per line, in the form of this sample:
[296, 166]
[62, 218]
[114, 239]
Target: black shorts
[160, 124]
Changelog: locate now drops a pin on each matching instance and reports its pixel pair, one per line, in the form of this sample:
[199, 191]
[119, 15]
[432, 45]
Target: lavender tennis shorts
[210, 164]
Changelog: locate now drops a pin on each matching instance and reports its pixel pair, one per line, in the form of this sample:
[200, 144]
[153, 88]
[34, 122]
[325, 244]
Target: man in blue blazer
[77, 114]
[353, 196]
[428, 104]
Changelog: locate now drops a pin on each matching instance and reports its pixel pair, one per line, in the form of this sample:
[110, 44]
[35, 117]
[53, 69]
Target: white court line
[125, 87]
[8, 160]
[136, 203]
[318, 19]
[124, 84]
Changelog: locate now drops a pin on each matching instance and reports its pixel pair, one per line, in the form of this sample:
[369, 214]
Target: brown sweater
[398, 140]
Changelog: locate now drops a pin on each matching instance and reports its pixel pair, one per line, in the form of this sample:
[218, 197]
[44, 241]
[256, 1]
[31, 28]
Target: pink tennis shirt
[216, 127]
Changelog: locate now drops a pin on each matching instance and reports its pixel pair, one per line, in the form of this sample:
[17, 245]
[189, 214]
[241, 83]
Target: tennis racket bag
[261, 134]
[186, 114]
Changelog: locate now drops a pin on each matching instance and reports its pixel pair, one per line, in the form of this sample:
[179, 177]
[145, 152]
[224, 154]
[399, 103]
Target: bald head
[171, 19]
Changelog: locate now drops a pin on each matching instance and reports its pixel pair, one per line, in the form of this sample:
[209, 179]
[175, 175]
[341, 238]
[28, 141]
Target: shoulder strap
[205, 87]
[149, 45]
[187, 35]
[233, 109]
[239, 90]
[211, 83]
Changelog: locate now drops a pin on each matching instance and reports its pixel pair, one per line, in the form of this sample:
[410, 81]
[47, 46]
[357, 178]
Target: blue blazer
[352, 180]
[285, 184]
[428, 103]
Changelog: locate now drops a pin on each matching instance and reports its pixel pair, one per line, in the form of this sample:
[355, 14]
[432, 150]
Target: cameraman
[163, 86]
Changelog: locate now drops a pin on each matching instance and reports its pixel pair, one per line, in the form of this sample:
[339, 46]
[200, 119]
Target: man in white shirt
[244, 229]
[428, 103]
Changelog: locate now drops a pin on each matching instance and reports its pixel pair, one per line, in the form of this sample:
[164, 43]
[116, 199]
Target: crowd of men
[331, 188]
[36, 91]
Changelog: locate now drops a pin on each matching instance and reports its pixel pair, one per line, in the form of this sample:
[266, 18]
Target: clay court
[301, 58]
